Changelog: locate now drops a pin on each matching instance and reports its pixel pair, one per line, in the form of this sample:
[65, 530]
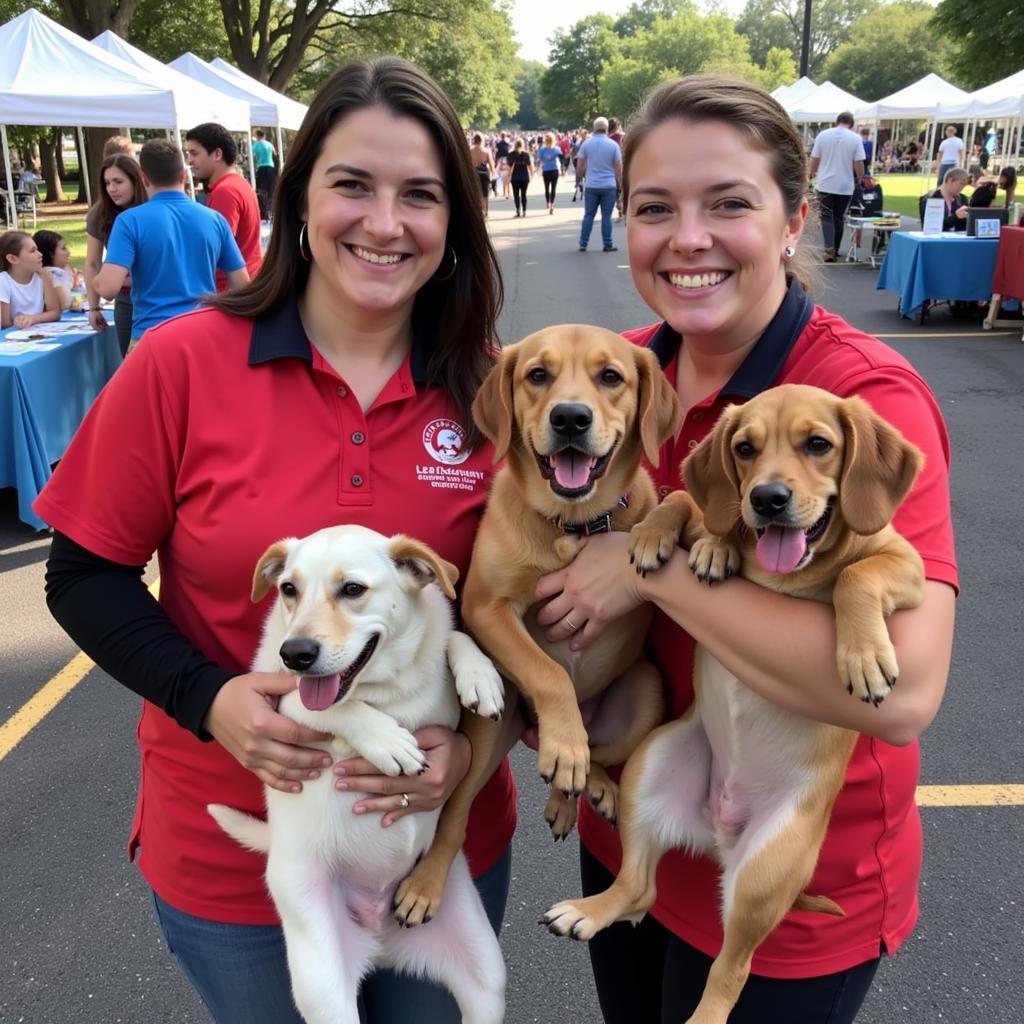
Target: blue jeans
[241, 971]
[592, 199]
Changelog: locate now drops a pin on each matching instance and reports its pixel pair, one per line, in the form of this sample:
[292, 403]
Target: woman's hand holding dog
[448, 756]
[596, 588]
[243, 719]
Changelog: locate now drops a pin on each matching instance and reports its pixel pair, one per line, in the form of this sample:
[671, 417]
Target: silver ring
[572, 626]
[404, 802]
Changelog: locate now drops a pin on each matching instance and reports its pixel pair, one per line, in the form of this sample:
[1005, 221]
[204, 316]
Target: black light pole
[805, 49]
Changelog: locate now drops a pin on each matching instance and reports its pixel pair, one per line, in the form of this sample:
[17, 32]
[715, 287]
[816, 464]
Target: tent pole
[280, 146]
[10, 211]
[84, 169]
[252, 159]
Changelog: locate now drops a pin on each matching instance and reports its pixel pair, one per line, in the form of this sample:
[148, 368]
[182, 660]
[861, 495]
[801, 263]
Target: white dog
[362, 622]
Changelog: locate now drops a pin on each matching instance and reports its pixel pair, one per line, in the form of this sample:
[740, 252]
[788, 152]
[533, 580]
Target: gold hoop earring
[304, 244]
[451, 273]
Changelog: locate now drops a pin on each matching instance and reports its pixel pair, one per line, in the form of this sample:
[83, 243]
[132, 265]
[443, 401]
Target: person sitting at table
[57, 265]
[867, 202]
[911, 156]
[27, 295]
[955, 216]
[984, 194]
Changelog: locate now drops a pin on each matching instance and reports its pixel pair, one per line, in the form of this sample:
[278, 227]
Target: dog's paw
[713, 559]
[563, 757]
[417, 899]
[560, 814]
[568, 920]
[652, 542]
[397, 753]
[603, 794]
[868, 670]
[480, 687]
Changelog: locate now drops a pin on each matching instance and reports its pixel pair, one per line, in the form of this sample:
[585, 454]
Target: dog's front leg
[477, 681]
[418, 897]
[864, 594]
[328, 953]
[380, 739]
[563, 752]
[653, 540]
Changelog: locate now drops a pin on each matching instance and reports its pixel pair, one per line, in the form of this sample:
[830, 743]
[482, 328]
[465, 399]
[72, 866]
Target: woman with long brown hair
[121, 188]
[334, 388]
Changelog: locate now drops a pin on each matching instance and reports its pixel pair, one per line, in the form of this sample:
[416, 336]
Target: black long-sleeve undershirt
[106, 608]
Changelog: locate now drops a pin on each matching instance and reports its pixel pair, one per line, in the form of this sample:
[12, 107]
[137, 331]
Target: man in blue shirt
[599, 162]
[171, 246]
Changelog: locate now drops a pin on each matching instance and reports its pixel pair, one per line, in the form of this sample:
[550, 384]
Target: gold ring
[404, 802]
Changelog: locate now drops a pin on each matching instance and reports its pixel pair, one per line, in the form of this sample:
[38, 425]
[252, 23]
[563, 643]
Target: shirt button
[697, 417]
[357, 480]
[358, 437]
[692, 444]
[342, 391]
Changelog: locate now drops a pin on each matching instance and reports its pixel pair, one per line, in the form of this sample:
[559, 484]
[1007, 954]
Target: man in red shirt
[211, 153]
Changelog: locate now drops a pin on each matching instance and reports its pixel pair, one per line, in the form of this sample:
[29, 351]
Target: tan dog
[573, 409]
[797, 488]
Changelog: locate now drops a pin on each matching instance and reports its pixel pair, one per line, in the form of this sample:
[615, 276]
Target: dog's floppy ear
[660, 411]
[423, 565]
[492, 406]
[879, 467]
[709, 473]
[269, 568]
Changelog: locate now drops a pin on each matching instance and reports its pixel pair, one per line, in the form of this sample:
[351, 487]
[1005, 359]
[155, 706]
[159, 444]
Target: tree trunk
[49, 146]
[58, 135]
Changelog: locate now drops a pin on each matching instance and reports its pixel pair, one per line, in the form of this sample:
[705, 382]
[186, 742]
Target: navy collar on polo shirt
[279, 334]
[765, 360]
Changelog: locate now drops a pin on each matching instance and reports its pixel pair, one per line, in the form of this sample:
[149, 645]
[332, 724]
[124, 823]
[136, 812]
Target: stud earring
[789, 252]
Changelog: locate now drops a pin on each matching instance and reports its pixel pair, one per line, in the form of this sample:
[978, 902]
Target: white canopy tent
[823, 104]
[52, 77]
[198, 102]
[920, 100]
[1002, 100]
[261, 110]
[795, 92]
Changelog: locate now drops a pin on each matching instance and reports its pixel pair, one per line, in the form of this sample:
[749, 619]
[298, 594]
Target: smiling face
[377, 215]
[61, 254]
[119, 186]
[706, 232]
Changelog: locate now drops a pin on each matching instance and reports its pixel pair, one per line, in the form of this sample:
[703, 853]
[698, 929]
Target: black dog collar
[601, 524]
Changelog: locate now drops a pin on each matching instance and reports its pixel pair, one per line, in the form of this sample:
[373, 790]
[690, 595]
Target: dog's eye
[289, 589]
[611, 378]
[538, 375]
[744, 450]
[817, 446]
[351, 589]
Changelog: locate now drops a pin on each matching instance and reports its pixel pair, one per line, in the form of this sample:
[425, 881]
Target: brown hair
[457, 313]
[748, 109]
[11, 244]
[161, 161]
[105, 207]
[118, 144]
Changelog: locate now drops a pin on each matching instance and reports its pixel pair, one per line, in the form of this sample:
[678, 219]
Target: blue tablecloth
[43, 398]
[948, 266]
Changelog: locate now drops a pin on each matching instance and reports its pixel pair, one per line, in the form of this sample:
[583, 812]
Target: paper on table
[934, 214]
[18, 348]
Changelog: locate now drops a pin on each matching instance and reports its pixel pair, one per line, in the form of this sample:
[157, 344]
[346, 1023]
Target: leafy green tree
[570, 90]
[762, 21]
[778, 68]
[527, 86]
[988, 42]
[644, 13]
[167, 30]
[864, 65]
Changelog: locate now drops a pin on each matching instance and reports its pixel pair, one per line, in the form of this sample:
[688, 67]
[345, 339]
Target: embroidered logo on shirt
[445, 442]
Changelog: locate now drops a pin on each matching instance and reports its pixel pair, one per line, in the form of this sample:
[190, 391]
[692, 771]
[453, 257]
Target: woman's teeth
[697, 280]
[376, 257]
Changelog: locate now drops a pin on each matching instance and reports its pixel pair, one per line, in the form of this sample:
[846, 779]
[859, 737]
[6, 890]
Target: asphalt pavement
[77, 941]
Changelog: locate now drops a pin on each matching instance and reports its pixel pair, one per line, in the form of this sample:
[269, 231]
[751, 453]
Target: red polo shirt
[870, 862]
[216, 438]
[234, 199]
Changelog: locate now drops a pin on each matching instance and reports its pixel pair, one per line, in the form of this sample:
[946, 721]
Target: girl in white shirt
[27, 295]
[57, 265]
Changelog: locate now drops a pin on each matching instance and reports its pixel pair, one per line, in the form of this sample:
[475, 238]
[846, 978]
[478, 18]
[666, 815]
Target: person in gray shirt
[599, 161]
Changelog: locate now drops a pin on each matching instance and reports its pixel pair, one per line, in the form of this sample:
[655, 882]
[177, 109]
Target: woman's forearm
[783, 648]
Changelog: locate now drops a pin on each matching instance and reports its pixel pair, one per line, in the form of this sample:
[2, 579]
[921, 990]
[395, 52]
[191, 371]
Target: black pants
[266, 181]
[832, 208]
[550, 181]
[646, 975]
[519, 193]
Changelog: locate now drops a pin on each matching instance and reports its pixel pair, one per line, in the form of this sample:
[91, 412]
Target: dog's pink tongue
[319, 692]
[780, 549]
[572, 468]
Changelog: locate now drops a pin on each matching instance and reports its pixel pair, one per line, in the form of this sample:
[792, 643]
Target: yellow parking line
[970, 796]
[33, 711]
[26, 718]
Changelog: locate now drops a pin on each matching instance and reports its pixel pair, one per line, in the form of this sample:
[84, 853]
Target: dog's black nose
[769, 500]
[299, 654]
[570, 419]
